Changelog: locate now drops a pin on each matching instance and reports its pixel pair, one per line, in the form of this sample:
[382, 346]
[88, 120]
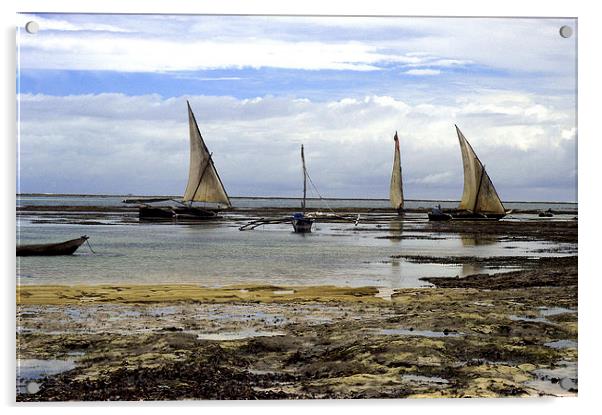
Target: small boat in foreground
[302, 223]
[60, 248]
[480, 200]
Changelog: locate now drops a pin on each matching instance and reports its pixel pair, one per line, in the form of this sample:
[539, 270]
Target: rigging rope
[356, 221]
[319, 195]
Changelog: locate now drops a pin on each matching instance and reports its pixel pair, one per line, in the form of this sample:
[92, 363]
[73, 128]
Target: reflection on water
[470, 269]
[396, 227]
[477, 239]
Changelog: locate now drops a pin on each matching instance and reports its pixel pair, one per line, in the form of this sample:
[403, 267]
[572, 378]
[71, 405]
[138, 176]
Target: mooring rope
[90, 246]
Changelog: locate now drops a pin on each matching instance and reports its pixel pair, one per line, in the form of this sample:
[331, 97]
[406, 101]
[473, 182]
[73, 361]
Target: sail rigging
[479, 195]
[396, 190]
[204, 183]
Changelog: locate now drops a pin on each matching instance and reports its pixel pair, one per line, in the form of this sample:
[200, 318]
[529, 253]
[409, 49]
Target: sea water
[218, 254]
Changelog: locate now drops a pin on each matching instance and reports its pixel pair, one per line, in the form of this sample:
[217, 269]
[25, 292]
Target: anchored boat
[204, 184]
[396, 190]
[302, 223]
[480, 200]
[60, 248]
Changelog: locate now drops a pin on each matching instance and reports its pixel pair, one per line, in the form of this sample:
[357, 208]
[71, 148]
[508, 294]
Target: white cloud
[139, 144]
[436, 178]
[423, 72]
[179, 43]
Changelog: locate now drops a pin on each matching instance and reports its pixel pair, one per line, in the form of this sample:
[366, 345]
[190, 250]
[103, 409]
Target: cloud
[188, 43]
[116, 143]
[437, 178]
[423, 72]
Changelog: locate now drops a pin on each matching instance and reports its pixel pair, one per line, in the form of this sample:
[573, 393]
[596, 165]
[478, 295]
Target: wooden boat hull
[302, 225]
[436, 217]
[155, 213]
[465, 216]
[152, 213]
[61, 248]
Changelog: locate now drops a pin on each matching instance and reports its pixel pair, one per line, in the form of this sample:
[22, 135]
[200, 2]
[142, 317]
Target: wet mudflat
[281, 342]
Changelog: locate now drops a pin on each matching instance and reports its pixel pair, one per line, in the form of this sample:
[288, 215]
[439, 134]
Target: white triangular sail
[479, 194]
[204, 184]
[396, 190]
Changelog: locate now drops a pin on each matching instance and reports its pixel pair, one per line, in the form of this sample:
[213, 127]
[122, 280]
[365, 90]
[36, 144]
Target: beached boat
[396, 190]
[60, 248]
[480, 200]
[204, 185]
[302, 223]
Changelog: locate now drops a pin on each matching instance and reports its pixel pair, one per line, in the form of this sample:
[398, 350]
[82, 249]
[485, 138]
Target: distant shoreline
[272, 198]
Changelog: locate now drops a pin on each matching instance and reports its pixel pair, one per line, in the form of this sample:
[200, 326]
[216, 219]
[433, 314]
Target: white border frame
[589, 96]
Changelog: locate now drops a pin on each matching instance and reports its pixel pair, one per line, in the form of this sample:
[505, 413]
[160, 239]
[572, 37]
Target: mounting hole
[33, 387]
[566, 31]
[32, 27]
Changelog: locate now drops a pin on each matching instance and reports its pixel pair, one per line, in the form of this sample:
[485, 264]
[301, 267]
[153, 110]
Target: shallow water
[30, 371]
[555, 311]
[238, 335]
[562, 344]
[560, 381]
[218, 254]
[424, 379]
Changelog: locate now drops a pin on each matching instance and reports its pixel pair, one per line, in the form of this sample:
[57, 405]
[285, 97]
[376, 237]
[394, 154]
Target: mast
[304, 179]
[476, 199]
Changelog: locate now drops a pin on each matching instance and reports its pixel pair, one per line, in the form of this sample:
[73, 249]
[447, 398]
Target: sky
[102, 103]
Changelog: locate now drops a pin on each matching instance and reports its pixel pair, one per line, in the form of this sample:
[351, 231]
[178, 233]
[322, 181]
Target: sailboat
[204, 184]
[480, 200]
[301, 223]
[396, 190]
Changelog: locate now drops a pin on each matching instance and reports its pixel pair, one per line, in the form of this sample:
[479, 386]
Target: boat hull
[477, 216]
[155, 213]
[437, 217]
[61, 248]
[465, 216]
[302, 225]
[152, 213]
